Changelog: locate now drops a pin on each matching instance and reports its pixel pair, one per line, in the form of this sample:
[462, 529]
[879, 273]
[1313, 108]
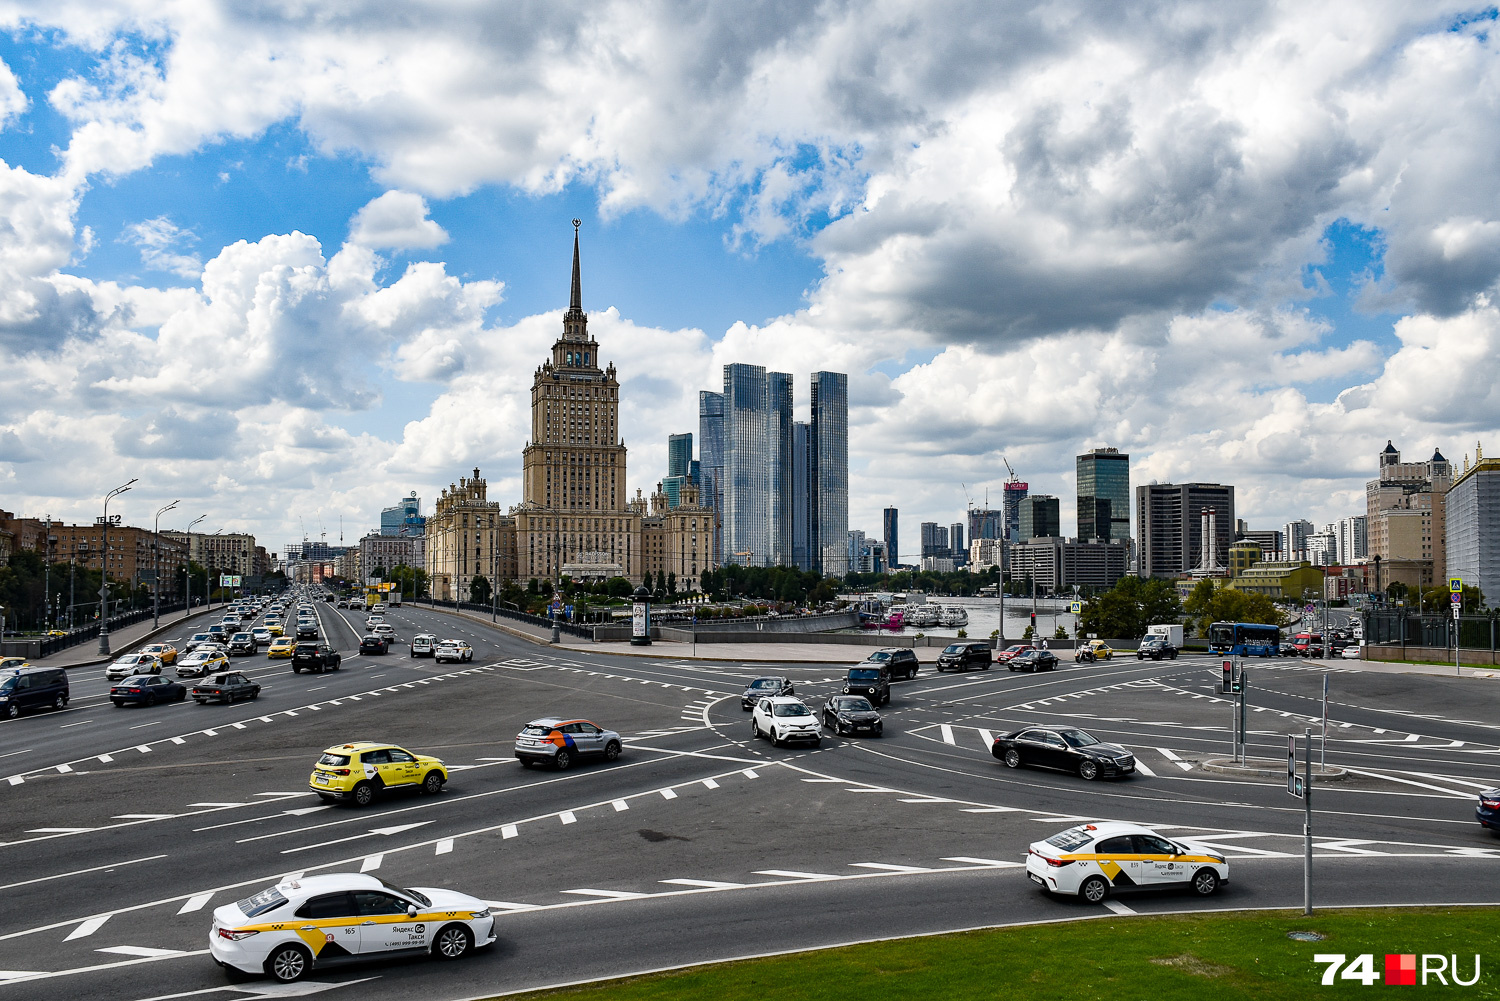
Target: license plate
[1036, 879]
[321, 780]
[861, 728]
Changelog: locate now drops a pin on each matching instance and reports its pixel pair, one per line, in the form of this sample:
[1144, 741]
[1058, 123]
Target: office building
[801, 555]
[746, 513]
[781, 452]
[682, 469]
[1104, 495]
[956, 545]
[1473, 526]
[711, 466]
[1170, 520]
[1271, 546]
[403, 519]
[1243, 555]
[1405, 519]
[934, 539]
[378, 555]
[1041, 517]
[828, 470]
[1015, 493]
[891, 524]
[1055, 565]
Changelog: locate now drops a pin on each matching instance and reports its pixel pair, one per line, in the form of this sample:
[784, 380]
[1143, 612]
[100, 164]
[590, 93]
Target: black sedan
[1067, 748]
[765, 688]
[851, 714]
[372, 643]
[147, 690]
[225, 688]
[1488, 810]
[1033, 660]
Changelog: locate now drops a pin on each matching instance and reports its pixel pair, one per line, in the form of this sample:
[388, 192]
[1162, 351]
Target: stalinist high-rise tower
[574, 515]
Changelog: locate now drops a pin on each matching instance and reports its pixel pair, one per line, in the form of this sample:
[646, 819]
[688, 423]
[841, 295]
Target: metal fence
[1473, 632]
[82, 634]
[587, 632]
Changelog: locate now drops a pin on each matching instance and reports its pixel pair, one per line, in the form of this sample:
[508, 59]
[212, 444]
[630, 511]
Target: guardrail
[587, 632]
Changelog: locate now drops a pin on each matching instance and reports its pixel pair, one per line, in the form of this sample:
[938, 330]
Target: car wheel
[612, 750]
[12, 711]
[775, 740]
[1141, 656]
[1094, 889]
[150, 699]
[1205, 882]
[453, 942]
[562, 760]
[1172, 655]
[1012, 667]
[433, 783]
[61, 702]
[288, 964]
[201, 702]
[754, 726]
[985, 666]
[1088, 768]
[1012, 758]
[364, 794]
[296, 669]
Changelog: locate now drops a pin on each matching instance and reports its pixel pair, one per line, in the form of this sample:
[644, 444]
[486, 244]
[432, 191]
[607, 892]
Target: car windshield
[533, 730]
[878, 657]
[953, 648]
[261, 903]
[329, 758]
[1077, 738]
[1073, 837]
[864, 674]
[791, 709]
[8, 684]
[420, 898]
[766, 683]
[853, 705]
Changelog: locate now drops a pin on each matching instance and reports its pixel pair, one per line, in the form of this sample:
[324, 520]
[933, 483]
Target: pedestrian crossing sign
[1456, 585]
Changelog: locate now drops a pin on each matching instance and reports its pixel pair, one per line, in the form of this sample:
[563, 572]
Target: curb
[1252, 769]
[126, 648]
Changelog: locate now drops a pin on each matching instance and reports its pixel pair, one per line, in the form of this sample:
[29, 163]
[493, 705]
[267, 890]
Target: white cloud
[158, 240]
[13, 101]
[396, 219]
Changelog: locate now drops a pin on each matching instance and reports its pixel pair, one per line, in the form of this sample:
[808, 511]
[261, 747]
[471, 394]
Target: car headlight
[475, 915]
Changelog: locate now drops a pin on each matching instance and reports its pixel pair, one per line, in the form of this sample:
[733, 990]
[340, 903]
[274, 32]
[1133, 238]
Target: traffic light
[1228, 685]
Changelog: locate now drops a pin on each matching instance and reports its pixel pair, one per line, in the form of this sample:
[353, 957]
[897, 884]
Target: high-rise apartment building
[892, 526]
[1296, 533]
[985, 523]
[934, 539]
[828, 471]
[1169, 526]
[1041, 517]
[1104, 495]
[1473, 526]
[1405, 515]
[1323, 547]
[956, 544]
[1353, 539]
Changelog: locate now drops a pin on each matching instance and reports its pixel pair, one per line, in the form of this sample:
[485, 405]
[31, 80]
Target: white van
[423, 644]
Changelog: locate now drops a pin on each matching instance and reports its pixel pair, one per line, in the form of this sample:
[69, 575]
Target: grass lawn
[1222, 957]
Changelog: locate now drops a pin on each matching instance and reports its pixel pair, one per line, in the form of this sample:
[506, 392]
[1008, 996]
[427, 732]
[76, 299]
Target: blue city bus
[1244, 639]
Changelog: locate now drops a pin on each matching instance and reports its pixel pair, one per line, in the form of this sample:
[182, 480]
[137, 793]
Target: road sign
[1076, 608]
[229, 580]
[1456, 585]
[1293, 780]
[1458, 599]
[1457, 610]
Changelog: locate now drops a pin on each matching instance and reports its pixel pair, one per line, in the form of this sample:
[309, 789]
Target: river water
[984, 618]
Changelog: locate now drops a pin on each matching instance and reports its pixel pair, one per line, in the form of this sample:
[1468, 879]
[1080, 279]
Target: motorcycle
[1086, 656]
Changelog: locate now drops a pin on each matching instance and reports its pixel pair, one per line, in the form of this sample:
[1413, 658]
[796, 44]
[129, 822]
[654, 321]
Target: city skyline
[402, 271]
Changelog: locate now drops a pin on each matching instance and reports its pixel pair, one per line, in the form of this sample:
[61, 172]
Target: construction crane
[967, 496]
[1012, 478]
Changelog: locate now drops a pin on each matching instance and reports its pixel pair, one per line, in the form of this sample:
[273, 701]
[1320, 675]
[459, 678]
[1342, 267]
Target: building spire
[575, 298]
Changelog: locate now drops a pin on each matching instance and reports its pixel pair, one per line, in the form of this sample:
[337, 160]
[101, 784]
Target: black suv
[962, 656]
[242, 643]
[901, 662]
[765, 688]
[873, 681]
[318, 657]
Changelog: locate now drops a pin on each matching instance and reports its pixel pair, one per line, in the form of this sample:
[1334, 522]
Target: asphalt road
[125, 827]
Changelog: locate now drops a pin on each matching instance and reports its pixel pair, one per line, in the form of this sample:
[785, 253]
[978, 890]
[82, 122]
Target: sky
[288, 262]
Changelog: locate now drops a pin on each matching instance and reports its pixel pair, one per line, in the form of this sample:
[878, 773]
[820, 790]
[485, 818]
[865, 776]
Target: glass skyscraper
[779, 456]
[681, 469]
[892, 536]
[1104, 495]
[828, 477]
[800, 557]
[711, 466]
[747, 465]
[403, 519]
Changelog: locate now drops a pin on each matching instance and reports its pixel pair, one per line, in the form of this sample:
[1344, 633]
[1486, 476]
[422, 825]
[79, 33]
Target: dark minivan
[962, 656]
[873, 681]
[28, 688]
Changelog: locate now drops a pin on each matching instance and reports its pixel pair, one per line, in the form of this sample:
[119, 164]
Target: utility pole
[47, 577]
[104, 571]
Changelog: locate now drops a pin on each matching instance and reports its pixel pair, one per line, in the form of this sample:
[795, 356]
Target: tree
[479, 589]
[412, 581]
[672, 583]
[620, 587]
[1211, 602]
[1125, 610]
[379, 572]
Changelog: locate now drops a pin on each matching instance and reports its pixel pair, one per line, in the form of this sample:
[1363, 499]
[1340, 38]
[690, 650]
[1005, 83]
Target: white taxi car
[783, 718]
[316, 922]
[453, 650]
[1092, 859]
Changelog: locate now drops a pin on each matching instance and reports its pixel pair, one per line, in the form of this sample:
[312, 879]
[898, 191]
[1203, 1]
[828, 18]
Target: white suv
[422, 644]
[783, 718]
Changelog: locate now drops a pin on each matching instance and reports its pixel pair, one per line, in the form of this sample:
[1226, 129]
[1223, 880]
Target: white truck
[1162, 641]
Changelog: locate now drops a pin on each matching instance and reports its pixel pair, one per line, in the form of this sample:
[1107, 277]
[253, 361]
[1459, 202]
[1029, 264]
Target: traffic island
[1269, 768]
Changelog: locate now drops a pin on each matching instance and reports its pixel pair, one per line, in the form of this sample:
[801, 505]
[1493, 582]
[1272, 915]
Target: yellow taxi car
[275, 628]
[360, 771]
[165, 652]
[6, 663]
[1099, 648]
[281, 648]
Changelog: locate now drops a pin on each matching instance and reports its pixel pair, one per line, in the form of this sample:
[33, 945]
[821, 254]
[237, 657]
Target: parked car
[147, 690]
[371, 643]
[317, 657]
[23, 689]
[851, 714]
[132, 663]
[422, 644]
[560, 742]
[1034, 660]
[763, 687]
[1068, 748]
[873, 681]
[901, 662]
[225, 688]
[963, 656]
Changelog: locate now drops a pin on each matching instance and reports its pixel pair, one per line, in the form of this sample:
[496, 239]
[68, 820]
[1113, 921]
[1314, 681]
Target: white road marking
[80, 872]
[947, 732]
[987, 862]
[195, 903]
[567, 817]
[444, 847]
[620, 805]
[794, 874]
[508, 831]
[668, 794]
[371, 863]
[506, 905]
[890, 867]
[607, 894]
[59, 830]
[87, 928]
[1118, 908]
[140, 950]
[989, 809]
[708, 884]
[143, 816]
[750, 773]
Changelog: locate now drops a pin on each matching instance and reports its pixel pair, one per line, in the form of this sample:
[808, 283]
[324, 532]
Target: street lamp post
[156, 584]
[187, 592]
[47, 577]
[104, 571]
